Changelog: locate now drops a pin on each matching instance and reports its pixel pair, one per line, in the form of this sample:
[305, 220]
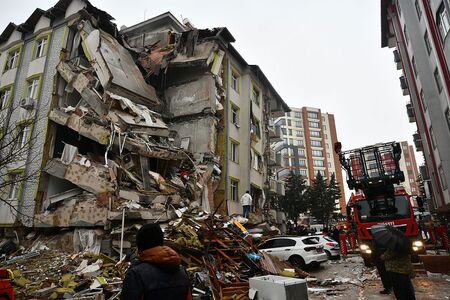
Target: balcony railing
[418, 142]
[410, 112]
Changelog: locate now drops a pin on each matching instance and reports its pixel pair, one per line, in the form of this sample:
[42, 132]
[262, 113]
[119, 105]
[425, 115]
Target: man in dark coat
[378, 251]
[157, 274]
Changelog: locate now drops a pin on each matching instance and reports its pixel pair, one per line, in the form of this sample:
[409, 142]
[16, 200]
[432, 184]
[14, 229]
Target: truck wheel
[297, 261]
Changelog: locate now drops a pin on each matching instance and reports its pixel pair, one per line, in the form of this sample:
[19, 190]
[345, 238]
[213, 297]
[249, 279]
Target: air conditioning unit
[27, 103]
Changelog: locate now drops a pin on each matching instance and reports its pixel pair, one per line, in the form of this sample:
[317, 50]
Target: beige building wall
[409, 167]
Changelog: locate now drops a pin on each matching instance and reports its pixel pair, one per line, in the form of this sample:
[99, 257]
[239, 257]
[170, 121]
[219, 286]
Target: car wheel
[297, 261]
[328, 254]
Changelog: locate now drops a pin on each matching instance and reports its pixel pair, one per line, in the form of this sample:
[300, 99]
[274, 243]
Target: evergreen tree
[293, 203]
[334, 192]
[321, 198]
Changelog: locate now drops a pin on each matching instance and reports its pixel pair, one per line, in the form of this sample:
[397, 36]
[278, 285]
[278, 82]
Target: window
[313, 115]
[427, 42]
[302, 163]
[283, 130]
[234, 189]
[235, 115]
[41, 47]
[442, 177]
[298, 124]
[325, 136]
[290, 132]
[257, 161]
[12, 61]
[291, 142]
[422, 99]
[406, 35]
[235, 81]
[316, 143]
[313, 124]
[318, 163]
[315, 133]
[298, 114]
[408, 164]
[437, 79]
[324, 127]
[443, 21]
[255, 127]
[23, 136]
[413, 189]
[411, 180]
[286, 162]
[321, 172]
[447, 117]
[289, 122]
[317, 153]
[33, 88]
[418, 9]
[303, 172]
[433, 141]
[328, 146]
[413, 62]
[255, 95]
[4, 97]
[301, 152]
[329, 165]
[14, 179]
[328, 155]
[234, 152]
[299, 133]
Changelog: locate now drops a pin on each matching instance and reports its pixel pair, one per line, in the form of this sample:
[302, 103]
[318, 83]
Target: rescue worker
[246, 201]
[157, 274]
[400, 271]
[379, 264]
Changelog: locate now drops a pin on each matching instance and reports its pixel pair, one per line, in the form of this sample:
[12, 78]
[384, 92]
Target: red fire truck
[373, 172]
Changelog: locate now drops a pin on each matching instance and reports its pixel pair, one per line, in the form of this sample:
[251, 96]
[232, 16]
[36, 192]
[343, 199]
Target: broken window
[235, 81]
[255, 95]
[234, 152]
[12, 60]
[33, 85]
[4, 97]
[257, 161]
[234, 189]
[234, 114]
[255, 127]
[41, 47]
[14, 179]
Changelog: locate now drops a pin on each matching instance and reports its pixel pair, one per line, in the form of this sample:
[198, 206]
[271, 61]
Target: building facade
[409, 167]
[308, 146]
[184, 118]
[418, 30]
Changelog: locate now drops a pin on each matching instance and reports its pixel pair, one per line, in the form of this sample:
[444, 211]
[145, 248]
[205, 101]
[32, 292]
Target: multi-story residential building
[78, 90]
[409, 167]
[418, 30]
[307, 147]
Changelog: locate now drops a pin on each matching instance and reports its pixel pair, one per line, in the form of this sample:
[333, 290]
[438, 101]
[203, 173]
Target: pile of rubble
[218, 253]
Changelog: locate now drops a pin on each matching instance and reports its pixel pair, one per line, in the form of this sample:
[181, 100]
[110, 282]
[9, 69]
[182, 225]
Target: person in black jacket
[379, 264]
[157, 273]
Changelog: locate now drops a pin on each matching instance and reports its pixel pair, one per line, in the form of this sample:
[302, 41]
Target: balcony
[404, 85]
[397, 60]
[274, 159]
[418, 142]
[410, 112]
[277, 187]
[424, 172]
[284, 173]
[275, 133]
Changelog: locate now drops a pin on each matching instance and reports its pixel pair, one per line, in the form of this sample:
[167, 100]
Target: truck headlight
[417, 244]
[364, 247]
[415, 248]
[368, 251]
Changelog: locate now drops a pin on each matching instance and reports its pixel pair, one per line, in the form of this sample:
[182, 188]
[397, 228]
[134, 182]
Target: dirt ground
[349, 279]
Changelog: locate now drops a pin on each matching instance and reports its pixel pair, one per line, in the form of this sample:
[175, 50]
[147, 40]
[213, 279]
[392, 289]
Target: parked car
[300, 251]
[330, 246]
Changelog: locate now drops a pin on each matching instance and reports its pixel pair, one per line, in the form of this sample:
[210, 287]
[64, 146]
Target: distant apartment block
[418, 30]
[409, 167]
[307, 146]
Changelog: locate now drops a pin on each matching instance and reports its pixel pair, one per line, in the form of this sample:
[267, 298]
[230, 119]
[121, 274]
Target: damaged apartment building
[135, 124]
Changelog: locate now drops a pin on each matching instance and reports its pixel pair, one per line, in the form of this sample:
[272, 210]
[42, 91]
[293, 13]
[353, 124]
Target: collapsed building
[131, 125]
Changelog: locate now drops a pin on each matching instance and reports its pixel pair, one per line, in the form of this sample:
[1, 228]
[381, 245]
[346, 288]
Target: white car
[300, 251]
[330, 246]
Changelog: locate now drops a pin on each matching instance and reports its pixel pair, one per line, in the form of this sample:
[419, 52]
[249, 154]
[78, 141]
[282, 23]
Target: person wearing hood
[157, 273]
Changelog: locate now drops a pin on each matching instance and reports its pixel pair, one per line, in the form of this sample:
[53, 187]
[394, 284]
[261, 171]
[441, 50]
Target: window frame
[427, 42]
[316, 134]
[256, 98]
[234, 151]
[15, 49]
[232, 193]
[38, 40]
[418, 9]
[442, 20]
[19, 182]
[313, 115]
[235, 80]
[316, 143]
[422, 99]
[5, 103]
[235, 114]
[317, 164]
[438, 80]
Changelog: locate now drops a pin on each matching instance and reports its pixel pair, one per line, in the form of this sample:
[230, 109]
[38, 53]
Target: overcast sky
[323, 54]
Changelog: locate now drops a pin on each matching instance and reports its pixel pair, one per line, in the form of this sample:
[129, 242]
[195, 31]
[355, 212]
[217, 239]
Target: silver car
[330, 246]
[301, 251]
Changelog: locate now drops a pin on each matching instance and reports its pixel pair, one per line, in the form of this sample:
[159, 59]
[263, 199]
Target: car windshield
[380, 209]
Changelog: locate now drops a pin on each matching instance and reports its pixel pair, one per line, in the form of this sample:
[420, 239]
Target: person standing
[379, 264]
[246, 201]
[400, 270]
[157, 273]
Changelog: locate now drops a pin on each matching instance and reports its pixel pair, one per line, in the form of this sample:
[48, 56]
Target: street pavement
[349, 279]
